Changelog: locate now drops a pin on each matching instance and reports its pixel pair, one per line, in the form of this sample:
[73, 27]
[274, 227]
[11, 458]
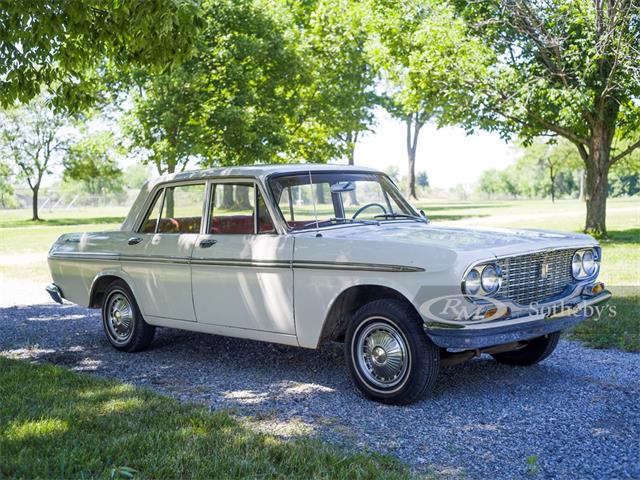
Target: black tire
[420, 362]
[137, 334]
[533, 352]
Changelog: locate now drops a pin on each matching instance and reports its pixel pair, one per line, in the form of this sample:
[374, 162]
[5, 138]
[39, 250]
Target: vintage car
[307, 254]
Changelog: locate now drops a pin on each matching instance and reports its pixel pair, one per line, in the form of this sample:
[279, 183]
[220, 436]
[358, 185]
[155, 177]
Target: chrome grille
[523, 279]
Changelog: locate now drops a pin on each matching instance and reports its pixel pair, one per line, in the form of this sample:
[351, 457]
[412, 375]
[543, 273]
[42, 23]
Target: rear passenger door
[157, 256]
[241, 266]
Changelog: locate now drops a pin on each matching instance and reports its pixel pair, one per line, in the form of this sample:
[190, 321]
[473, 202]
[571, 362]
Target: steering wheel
[368, 205]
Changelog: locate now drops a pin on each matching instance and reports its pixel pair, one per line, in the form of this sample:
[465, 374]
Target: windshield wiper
[337, 220]
[402, 215]
[355, 220]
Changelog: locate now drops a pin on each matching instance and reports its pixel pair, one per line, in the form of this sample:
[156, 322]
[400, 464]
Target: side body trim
[231, 262]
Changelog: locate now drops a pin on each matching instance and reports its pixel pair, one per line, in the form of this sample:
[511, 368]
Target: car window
[176, 210]
[150, 223]
[234, 210]
[307, 200]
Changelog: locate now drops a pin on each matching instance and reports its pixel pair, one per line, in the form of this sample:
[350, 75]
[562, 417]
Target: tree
[59, 45]
[556, 158]
[562, 67]
[426, 57]
[93, 162]
[336, 88]
[228, 104]
[423, 179]
[6, 189]
[33, 138]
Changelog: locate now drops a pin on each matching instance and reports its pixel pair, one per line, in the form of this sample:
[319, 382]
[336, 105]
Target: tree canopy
[561, 67]
[59, 44]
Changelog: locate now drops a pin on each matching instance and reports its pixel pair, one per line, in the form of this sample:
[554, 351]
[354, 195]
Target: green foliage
[59, 44]
[561, 67]
[427, 61]
[93, 161]
[335, 89]
[270, 82]
[6, 188]
[135, 175]
[558, 165]
[423, 179]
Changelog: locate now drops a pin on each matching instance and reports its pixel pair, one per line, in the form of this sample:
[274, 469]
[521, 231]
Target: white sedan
[306, 254]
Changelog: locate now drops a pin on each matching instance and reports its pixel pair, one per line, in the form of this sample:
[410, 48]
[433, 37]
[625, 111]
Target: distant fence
[53, 200]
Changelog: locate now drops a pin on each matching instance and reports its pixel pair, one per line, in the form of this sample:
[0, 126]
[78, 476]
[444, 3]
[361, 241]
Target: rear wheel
[122, 321]
[533, 352]
[389, 356]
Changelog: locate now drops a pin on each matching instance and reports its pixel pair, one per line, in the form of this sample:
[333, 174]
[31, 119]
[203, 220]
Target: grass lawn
[77, 426]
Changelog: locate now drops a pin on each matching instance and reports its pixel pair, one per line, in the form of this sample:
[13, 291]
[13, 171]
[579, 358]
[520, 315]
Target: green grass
[77, 426]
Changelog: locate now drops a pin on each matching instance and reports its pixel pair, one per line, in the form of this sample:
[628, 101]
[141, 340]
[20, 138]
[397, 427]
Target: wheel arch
[102, 281]
[350, 300]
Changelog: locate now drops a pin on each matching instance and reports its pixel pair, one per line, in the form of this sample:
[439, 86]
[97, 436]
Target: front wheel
[533, 352]
[122, 321]
[388, 353]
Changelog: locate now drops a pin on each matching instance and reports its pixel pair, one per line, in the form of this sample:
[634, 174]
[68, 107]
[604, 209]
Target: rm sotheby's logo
[455, 308]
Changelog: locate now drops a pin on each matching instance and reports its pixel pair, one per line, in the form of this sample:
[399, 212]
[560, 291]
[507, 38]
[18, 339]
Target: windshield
[338, 197]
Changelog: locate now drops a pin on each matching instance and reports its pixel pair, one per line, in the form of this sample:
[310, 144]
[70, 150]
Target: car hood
[496, 241]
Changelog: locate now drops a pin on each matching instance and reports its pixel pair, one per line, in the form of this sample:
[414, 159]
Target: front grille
[524, 282]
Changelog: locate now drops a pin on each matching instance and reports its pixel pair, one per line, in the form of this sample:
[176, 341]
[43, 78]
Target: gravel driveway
[577, 415]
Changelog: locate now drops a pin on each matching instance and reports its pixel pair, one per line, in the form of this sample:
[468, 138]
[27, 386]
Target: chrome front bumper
[473, 336]
[54, 291]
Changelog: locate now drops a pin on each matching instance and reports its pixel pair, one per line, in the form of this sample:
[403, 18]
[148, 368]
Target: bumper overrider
[54, 291]
[553, 318]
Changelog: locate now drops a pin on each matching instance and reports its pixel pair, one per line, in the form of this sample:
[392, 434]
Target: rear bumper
[54, 291]
[472, 336]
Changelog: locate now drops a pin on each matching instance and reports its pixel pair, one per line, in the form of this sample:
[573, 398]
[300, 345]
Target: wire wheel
[382, 353]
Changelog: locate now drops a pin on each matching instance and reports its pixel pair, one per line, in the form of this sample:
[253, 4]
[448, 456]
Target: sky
[448, 155]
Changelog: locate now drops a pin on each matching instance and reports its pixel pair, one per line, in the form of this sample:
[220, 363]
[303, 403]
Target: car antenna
[315, 211]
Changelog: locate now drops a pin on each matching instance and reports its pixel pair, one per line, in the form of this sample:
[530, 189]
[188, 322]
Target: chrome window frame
[152, 196]
[257, 187]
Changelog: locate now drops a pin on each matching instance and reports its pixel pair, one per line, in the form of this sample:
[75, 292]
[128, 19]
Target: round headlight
[588, 263]
[472, 282]
[576, 264]
[490, 280]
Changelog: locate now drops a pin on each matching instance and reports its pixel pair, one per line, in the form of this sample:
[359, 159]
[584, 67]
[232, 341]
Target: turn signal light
[594, 289]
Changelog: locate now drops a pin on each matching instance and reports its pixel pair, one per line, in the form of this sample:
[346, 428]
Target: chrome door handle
[134, 240]
[207, 242]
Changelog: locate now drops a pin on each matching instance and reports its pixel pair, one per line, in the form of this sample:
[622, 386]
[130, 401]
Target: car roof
[259, 171]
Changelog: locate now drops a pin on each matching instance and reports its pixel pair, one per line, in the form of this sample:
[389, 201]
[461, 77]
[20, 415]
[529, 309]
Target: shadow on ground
[574, 412]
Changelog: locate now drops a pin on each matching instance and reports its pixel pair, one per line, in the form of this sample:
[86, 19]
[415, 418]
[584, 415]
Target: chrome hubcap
[119, 317]
[382, 354]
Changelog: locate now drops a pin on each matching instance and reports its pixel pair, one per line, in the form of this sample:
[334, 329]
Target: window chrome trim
[152, 195]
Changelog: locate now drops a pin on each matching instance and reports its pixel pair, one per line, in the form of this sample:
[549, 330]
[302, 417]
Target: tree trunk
[169, 200]
[34, 207]
[242, 197]
[319, 193]
[353, 139]
[413, 123]
[582, 180]
[227, 197]
[553, 184]
[596, 197]
[598, 163]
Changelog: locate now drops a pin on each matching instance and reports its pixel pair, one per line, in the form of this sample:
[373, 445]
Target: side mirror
[423, 214]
